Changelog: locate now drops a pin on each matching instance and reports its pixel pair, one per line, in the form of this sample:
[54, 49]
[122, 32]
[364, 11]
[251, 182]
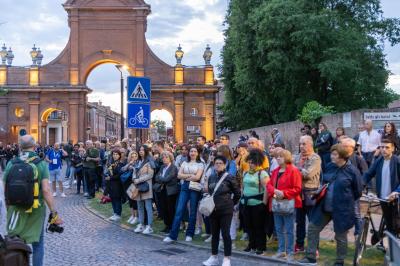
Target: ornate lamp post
[10, 57]
[34, 54]
[207, 55]
[3, 54]
[39, 57]
[179, 55]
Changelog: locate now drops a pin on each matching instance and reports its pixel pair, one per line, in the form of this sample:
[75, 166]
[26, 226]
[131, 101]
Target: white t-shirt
[369, 142]
[386, 188]
[191, 168]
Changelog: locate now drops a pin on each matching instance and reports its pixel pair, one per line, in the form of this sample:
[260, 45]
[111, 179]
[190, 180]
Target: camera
[55, 228]
[52, 226]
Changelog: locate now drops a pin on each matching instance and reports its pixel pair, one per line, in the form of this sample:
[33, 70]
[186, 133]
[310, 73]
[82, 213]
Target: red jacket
[289, 183]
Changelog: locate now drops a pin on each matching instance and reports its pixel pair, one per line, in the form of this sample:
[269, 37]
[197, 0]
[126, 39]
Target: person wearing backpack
[26, 212]
[54, 158]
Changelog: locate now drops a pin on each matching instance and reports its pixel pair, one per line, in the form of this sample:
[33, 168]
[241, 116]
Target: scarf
[258, 168]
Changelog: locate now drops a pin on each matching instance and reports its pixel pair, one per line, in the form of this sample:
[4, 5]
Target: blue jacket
[231, 167]
[347, 189]
[376, 171]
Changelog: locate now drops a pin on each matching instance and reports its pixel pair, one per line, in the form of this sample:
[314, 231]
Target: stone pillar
[209, 75]
[34, 119]
[179, 126]
[3, 75]
[209, 123]
[4, 127]
[34, 76]
[74, 48]
[179, 75]
[74, 122]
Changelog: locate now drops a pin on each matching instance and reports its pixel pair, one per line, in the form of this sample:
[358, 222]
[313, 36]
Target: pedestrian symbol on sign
[139, 92]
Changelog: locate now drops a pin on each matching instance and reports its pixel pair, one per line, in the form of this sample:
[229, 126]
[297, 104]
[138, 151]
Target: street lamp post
[120, 67]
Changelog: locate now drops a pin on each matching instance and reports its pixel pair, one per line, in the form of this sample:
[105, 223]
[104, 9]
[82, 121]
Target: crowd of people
[266, 193]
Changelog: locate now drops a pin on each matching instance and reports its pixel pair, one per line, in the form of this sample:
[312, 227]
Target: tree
[281, 54]
[160, 125]
[313, 111]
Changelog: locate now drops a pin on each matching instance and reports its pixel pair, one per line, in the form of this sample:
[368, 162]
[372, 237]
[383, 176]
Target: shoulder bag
[282, 206]
[207, 205]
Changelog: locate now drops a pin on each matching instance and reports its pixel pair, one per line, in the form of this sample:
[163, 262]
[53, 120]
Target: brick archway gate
[106, 31]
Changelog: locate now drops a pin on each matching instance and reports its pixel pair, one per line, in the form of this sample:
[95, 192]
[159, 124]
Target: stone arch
[94, 60]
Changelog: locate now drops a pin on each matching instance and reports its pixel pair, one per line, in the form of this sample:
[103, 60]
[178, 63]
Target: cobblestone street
[89, 240]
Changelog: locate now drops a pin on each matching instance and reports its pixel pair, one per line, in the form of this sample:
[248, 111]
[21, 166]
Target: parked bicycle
[377, 233]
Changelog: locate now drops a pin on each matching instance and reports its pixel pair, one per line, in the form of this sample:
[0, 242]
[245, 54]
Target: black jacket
[223, 196]
[116, 186]
[169, 181]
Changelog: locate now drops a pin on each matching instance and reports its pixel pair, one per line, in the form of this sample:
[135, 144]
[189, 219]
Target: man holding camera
[28, 223]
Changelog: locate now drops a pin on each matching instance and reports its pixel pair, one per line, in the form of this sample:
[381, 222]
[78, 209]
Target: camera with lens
[53, 227]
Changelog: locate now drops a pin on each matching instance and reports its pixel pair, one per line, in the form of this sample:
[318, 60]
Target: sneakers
[139, 228]
[244, 237]
[205, 235]
[226, 262]
[307, 261]
[148, 230]
[63, 195]
[208, 240]
[115, 218]
[259, 252]
[298, 249]
[130, 219]
[197, 231]
[212, 261]
[135, 220]
[290, 257]
[279, 255]
[168, 240]
[54, 194]
[188, 239]
[86, 194]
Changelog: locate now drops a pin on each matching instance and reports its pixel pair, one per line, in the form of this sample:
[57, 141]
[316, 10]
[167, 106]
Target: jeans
[117, 206]
[301, 214]
[38, 251]
[359, 220]
[68, 171]
[185, 196]
[148, 204]
[284, 226]
[254, 218]
[313, 239]
[221, 222]
[234, 225]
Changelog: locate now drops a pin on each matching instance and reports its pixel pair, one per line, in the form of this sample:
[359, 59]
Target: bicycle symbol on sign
[139, 118]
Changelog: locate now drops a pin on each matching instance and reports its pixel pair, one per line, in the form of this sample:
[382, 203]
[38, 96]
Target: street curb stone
[181, 243]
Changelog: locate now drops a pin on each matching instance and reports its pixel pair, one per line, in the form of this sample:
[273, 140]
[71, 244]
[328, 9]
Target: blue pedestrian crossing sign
[138, 115]
[139, 90]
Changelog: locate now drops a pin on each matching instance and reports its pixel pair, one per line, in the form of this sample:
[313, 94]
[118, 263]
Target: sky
[191, 23]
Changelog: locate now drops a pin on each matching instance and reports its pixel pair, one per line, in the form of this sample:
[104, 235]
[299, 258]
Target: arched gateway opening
[102, 32]
[54, 126]
[162, 125]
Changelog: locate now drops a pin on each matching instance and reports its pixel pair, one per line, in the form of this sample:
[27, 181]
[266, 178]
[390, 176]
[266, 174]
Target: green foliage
[160, 125]
[281, 54]
[312, 111]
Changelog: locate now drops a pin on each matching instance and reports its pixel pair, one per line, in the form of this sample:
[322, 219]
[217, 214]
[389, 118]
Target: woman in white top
[190, 172]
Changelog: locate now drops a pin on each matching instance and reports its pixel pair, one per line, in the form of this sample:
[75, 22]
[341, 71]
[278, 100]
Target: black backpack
[14, 251]
[20, 181]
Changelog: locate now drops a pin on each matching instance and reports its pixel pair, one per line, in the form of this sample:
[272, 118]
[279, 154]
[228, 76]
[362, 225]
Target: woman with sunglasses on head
[221, 217]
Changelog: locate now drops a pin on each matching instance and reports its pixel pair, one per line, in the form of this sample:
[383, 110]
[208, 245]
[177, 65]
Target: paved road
[89, 240]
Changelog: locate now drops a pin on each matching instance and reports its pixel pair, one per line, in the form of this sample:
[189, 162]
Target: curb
[180, 243]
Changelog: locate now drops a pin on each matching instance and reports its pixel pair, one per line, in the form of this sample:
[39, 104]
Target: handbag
[132, 191]
[143, 187]
[126, 175]
[308, 197]
[282, 206]
[195, 186]
[207, 205]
